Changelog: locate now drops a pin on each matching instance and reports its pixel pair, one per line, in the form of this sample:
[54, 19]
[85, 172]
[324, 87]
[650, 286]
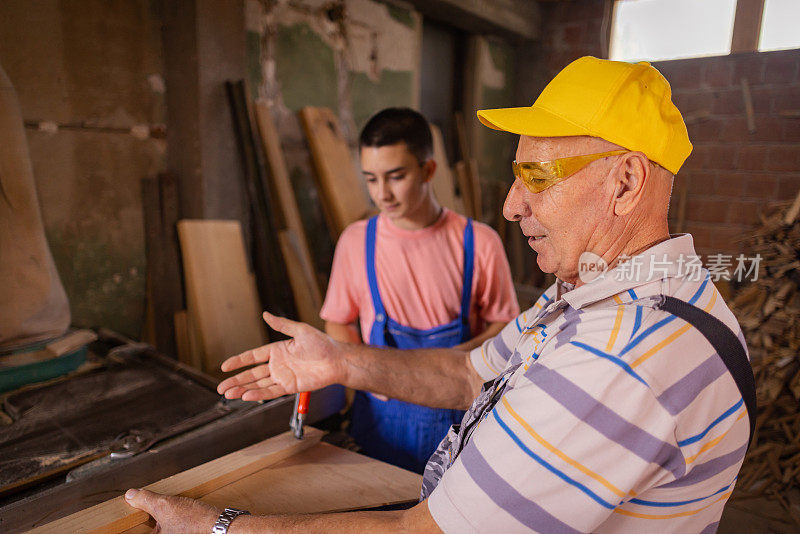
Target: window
[655, 30]
[779, 25]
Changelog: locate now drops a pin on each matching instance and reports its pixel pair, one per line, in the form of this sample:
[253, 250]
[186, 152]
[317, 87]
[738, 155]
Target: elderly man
[600, 409]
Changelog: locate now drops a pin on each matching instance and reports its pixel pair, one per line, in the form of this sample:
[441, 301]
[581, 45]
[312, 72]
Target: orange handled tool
[299, 413]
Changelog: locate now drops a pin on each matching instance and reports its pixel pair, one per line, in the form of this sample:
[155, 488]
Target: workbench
[301, 477]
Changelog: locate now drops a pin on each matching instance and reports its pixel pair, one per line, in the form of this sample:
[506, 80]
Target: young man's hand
[310, 360]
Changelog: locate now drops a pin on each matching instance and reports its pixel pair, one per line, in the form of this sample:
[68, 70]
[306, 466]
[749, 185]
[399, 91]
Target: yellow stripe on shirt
[483, 355]
[549, 447]
[617, 323]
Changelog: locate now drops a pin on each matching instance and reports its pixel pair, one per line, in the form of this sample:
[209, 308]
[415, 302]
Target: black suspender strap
[726, 344]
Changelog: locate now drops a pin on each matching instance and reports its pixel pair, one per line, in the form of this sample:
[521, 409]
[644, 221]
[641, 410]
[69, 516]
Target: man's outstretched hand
[309, 360]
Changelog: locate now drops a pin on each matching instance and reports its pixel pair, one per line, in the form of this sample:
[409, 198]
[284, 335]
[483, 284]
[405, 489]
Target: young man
[415, 276]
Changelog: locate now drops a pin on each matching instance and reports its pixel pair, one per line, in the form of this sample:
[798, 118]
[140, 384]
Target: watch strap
[225, 519]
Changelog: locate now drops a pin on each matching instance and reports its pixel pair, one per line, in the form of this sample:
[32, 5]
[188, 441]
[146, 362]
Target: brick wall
[732, 173]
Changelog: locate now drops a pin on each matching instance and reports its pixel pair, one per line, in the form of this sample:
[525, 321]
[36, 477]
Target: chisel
[299, 414]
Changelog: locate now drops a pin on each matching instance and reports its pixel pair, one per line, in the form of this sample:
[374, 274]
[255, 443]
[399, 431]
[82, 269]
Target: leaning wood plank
[302, 279]
[465, 184]
[222, 297]
[442, 182]
[116, 516]
[343, 193]
[293, 242]
[475, 181]
[188, 346]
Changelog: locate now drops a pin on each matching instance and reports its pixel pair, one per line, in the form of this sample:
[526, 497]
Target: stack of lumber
[768, 310]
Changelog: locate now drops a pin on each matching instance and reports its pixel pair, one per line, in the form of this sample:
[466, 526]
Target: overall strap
[726, 344]
[377, 304]
[469, 267]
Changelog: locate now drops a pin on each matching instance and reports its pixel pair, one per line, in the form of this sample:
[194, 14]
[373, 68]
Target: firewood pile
[768, 310]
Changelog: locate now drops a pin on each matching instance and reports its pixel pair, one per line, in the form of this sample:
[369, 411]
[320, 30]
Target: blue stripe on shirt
[549, 467]
[611, 358]
[725, 414]
[679, 503]
[662, 322]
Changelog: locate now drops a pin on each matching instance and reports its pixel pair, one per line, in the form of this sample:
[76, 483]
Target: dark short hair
[394, 125]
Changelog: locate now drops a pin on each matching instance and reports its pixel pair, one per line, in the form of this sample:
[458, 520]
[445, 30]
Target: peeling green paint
[105, 283]
[305, 68]
[254, 73]
[403, 16]
[394, 88]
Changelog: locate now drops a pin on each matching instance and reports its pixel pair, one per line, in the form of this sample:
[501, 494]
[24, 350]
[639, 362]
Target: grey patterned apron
[459, 434]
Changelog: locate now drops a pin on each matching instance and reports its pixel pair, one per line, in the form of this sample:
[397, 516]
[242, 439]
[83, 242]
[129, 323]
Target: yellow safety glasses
[539, 175]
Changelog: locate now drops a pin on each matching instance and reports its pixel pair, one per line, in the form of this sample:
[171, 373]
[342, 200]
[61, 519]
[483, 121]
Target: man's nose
[384, 191]
[515, 207]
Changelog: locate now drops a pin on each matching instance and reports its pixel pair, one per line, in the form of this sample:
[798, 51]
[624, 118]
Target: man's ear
[631, 177]
[428, 169]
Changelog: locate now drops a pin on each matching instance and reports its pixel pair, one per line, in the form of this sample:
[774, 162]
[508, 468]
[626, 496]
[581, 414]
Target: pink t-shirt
[420, 274]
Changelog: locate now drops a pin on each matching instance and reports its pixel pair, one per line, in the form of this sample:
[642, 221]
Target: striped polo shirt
[619, 418]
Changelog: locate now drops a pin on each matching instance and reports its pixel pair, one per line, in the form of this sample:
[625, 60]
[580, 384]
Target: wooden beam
[747, 25]
[442, 181]
[343, 194]
[116, 516]
[517, 19]
[292, 239]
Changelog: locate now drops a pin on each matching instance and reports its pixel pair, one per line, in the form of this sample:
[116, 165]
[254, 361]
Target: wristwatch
[225, 519]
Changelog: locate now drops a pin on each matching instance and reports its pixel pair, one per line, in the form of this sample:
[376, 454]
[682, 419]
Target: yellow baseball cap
[628, 104]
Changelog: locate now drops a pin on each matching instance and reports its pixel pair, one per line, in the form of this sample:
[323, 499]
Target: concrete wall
[97, 63]
[355, 61]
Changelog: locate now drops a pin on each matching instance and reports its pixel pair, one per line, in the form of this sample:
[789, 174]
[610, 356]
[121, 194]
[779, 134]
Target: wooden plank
[221, 293]
[442, 182]
[307, 296]
[293, 241]
[343, 192]
[467, 171]
[747, 25]
[115, 515]
[61, 346]
[267, 217]
[465, 185]
[475, 181]
[343, 480]
[188, 345]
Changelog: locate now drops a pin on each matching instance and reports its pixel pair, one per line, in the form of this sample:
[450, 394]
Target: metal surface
[145, 456]
[216, 439]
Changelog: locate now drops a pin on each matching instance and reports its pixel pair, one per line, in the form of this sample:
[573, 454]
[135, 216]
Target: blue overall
[394, 431]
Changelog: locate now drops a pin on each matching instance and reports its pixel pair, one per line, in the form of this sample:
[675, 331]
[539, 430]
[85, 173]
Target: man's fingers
[248, 357]
[266, 393]
[142, 499]
[243, 378]
[282, 324]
